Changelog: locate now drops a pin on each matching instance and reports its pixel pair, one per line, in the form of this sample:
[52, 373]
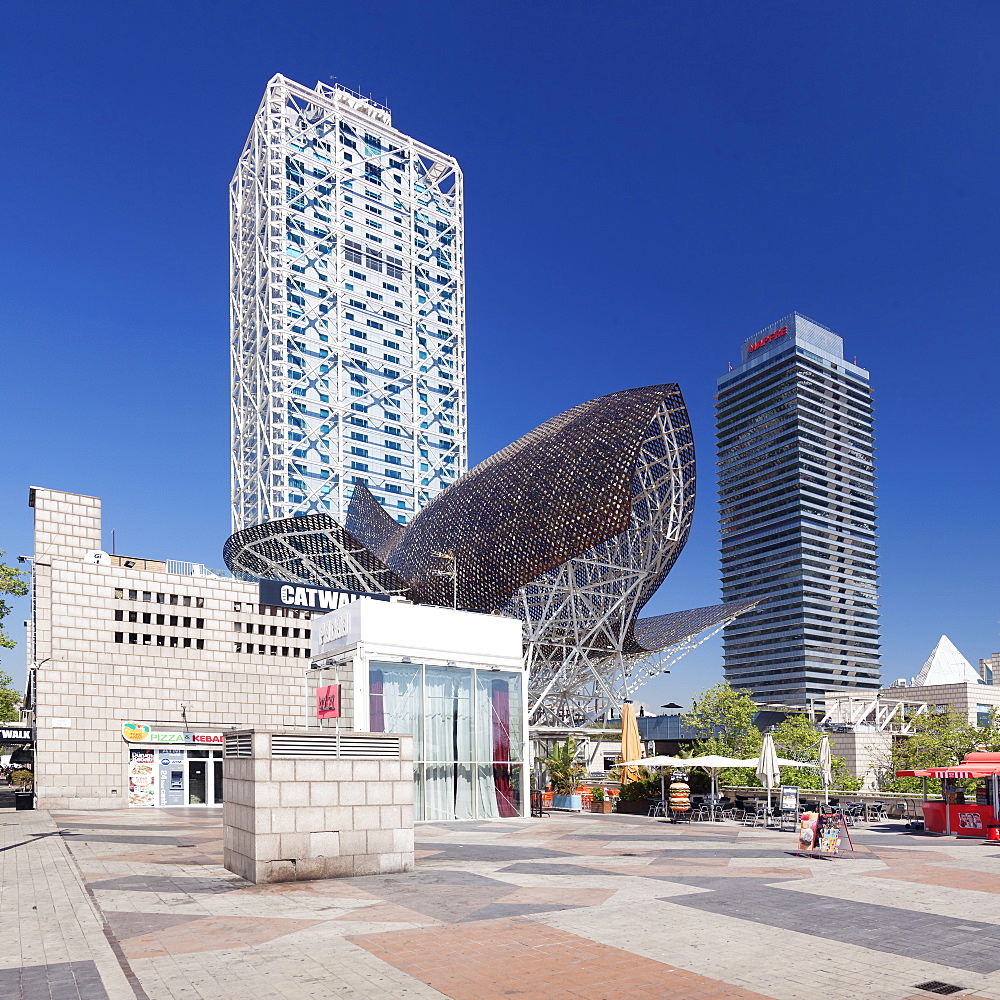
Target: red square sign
[328, 702]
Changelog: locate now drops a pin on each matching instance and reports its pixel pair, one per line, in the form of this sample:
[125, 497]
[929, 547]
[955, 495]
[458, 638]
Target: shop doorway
[204, 778]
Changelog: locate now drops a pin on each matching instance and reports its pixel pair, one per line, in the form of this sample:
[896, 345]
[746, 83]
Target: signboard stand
[825, 835]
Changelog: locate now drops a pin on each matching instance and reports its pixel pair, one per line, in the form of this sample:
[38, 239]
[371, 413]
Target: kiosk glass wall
[468, 731]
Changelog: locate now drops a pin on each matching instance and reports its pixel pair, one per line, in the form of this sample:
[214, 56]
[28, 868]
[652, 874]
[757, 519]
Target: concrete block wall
[87, 684]
[286, 819]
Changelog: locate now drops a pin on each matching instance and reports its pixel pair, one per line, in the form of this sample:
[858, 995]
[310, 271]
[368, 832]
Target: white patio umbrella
[826, 767]
[659, 761]
[768, 766]
[712, 763]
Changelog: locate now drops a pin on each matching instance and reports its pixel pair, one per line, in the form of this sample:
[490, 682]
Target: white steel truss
[581, 657]
[348, 310]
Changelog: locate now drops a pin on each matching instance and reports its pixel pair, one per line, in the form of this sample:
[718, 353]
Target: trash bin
[993, 832]
[24, 800]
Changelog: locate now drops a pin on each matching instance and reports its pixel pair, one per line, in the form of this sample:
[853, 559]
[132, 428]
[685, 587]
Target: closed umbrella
[826, 766]
[631, 746]
[768, 767]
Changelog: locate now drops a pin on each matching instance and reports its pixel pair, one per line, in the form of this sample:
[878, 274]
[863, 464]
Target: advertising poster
[808, 822]
[788, 799]
[141, 779]
[970, 821]
[830, 831]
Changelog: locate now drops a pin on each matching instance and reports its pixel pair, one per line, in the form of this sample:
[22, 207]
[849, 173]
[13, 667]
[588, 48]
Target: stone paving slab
[136, 904]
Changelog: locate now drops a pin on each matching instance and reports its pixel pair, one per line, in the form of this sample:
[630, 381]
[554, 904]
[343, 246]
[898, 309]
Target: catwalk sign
[274, 594]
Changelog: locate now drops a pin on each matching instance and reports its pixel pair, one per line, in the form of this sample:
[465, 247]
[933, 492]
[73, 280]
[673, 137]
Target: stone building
[137, 666]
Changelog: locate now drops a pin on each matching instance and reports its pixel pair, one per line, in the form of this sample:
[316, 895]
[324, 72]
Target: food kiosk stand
[955, 813]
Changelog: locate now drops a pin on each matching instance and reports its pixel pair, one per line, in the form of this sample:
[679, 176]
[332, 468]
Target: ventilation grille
[350, 746]
[238, 745]
[935, 986]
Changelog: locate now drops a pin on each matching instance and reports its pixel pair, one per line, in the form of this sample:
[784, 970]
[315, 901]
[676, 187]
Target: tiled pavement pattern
[136, 905]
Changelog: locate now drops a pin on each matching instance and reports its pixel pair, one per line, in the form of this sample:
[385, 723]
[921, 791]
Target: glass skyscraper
[348, 310]
[797, 516]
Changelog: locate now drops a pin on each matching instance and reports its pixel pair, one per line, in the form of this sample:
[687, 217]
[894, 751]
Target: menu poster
[141, 779]
[830, 831]
[789, 798]
[808, 822]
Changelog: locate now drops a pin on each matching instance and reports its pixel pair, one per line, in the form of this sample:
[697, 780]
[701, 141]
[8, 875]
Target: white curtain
[447, 744]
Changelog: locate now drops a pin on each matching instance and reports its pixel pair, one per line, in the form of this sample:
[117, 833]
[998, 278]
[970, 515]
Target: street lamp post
[453, 573]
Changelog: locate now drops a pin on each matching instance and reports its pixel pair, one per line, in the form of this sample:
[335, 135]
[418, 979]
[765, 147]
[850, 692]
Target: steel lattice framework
[348, 310]
[571, 529]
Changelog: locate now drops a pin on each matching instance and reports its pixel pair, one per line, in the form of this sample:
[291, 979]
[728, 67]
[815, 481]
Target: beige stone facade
[157, 642]
[965, 699]
[317, 805]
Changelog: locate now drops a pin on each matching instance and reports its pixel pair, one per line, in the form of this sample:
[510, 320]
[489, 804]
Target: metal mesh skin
[312, 548]
[570, 529]
[662, 631]
[369, 523]
[543, 500]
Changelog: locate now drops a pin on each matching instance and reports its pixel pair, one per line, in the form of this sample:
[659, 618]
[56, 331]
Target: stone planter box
[571, 802]
[635, 807]
[600, 807]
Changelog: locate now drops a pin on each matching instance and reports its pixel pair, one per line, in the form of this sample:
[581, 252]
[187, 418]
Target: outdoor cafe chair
[854, 812]
[903, 809]
[876, 812]
[658, 809]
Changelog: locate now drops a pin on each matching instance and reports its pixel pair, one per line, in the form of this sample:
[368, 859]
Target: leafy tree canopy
[939, 739]
[12, 583]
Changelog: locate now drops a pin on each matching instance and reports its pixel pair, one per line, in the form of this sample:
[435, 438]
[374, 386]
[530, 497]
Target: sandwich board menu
[823, 833]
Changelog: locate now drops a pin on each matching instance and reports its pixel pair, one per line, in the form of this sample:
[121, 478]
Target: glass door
[197, 782]
[217, 785]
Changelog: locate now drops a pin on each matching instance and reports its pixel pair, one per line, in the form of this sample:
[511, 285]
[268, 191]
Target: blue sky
[647, 184]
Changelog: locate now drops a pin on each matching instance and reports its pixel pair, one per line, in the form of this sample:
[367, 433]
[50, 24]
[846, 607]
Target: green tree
[722, 719]
[12, 584]
[939, 739]
[798, 738]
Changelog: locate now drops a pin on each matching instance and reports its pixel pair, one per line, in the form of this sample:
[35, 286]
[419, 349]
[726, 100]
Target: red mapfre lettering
[767, 340]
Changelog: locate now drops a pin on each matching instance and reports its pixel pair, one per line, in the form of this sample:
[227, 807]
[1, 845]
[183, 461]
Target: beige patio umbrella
[768, 768]
[631, 745]
[826, 766]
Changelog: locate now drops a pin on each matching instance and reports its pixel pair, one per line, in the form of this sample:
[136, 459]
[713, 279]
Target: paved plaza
[125, 905]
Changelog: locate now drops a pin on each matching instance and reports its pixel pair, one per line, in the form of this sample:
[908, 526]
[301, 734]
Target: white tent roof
[946, 665]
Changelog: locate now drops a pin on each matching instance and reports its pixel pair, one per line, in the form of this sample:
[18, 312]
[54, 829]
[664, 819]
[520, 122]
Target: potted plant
[22, 780]
[565, 772]
[599, 803]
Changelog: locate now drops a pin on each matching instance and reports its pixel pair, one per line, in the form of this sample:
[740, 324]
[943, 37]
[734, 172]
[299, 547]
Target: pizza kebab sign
[275, 594]
[141, 733]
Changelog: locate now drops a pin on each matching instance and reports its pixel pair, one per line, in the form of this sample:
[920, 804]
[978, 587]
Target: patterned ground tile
[209, 934]
[59, 981]
[528, 961]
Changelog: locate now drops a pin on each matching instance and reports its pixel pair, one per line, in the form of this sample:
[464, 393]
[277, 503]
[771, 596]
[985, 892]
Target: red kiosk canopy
[974, 765]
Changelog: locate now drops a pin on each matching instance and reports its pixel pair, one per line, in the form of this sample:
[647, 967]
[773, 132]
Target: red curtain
[376, 709]
[500, 700]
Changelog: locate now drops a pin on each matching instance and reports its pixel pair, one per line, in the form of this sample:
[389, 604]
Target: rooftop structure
[570, 529]
[348, 310]
[946, 665]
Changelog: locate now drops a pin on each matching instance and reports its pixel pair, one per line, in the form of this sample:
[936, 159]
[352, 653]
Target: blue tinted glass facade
[797, 516]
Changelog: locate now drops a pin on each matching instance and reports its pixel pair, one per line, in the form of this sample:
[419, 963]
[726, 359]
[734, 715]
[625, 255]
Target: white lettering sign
[335, 628]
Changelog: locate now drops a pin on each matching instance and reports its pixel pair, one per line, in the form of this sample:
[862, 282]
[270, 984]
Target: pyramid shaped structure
[946, 665]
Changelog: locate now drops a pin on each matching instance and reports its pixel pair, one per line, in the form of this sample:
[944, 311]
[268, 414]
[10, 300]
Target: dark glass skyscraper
[797, 516]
